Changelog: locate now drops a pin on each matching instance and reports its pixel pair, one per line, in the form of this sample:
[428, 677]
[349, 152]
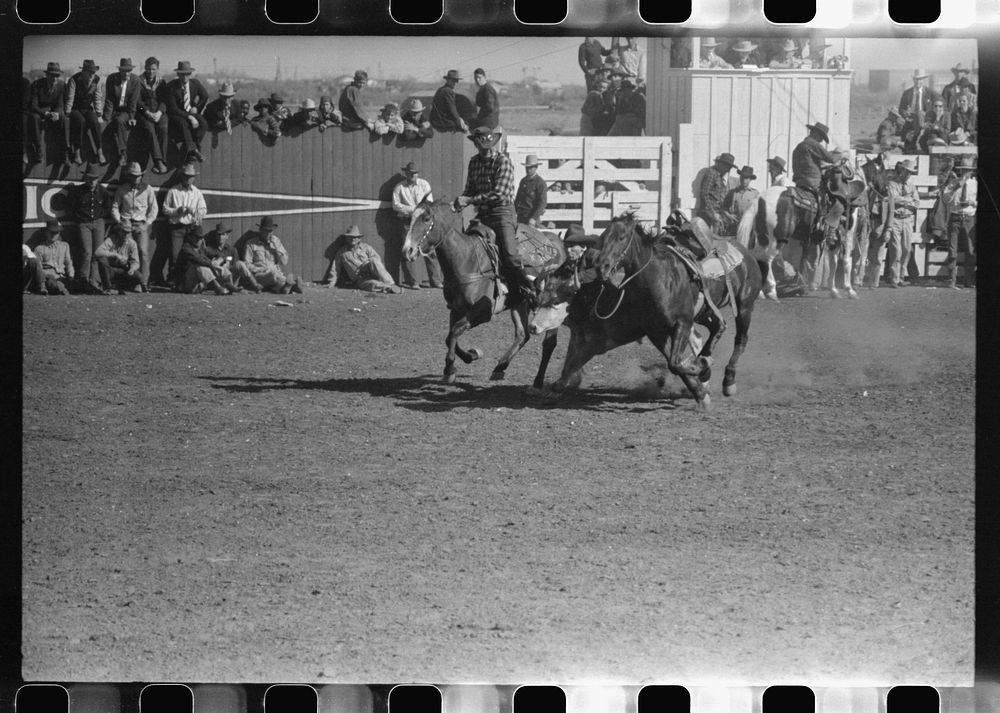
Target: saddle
[706, 257]
[537, 251]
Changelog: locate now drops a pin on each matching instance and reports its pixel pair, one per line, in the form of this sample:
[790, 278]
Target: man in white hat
[219, 112]
[407, 195]
[709, 58]
[959, 195]
[738, 200]
[743, 55]
[415, 125]
[530, 199]
[965, 117]
[786, 58]
[185, 208]
[960, 85]
[899, 208]
[121, 98]
[357, 265]
[916, 100]
[135, 208]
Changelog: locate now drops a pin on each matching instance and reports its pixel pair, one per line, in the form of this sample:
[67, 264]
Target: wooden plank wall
[244, 179]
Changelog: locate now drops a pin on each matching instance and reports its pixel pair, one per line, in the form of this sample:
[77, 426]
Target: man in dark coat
[219, 111]
[151, 113]
[960, 85]
[121, 98]
[916, 100]
[185, 99]
[352, 108]
[808, 156]
[88, 205]
[713, 189]
[591, 58]
[444, 114]
[487, 101]
[965, 117]
[530, 199]
[84, 102]
[46, 110]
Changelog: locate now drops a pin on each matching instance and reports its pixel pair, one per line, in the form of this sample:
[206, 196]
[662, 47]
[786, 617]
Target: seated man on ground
[32, 277]
[357, 265]
[264, 256]
[223, 254]
[55, 260]
[118, 262]
[195, 270]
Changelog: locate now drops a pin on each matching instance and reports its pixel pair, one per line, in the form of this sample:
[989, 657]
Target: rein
[621, 287]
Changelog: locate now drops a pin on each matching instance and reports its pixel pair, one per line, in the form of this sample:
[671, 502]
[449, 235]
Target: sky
[423, 58]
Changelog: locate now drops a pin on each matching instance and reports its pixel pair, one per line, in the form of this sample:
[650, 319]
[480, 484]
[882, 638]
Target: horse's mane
[658, 242]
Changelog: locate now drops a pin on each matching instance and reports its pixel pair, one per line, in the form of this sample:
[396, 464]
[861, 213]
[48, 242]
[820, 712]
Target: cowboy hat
[709, 42]
[267, 222]
[417, 105]
[91, 171]
[276, 98]
[531, 160]
[779, 162]
[919, 74]
[262, 103]
[308, 104]
[789, 45]
[820, 128]
[906, 165]
[819, 47]
[959, 69]
[134, 169]
[222, 228]
[189, 170]
[125, 63]
[89, 64]
[575, 235]
[484, 136]
[53, 226]
[53, 68]
[360, 74]
[747, 172]
[726, 158]
[744, 46]
[354, 232]
[228, 90]
[411, 167]
[184, 67]
[452, 74]
[325, 98]
[958, 137]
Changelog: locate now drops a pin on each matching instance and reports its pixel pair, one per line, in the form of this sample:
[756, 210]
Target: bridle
[423, 237]
[621, 287]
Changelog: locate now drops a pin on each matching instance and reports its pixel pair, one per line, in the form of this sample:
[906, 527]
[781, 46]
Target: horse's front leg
[679, 363]
[580, 351]
[519, 316]
[549, 341]
[458, 324]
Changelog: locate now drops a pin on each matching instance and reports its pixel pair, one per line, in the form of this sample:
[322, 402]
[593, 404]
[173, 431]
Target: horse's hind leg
[519, 316]
[548, 346]
[687, 370]
[742, 337]
[457, 326]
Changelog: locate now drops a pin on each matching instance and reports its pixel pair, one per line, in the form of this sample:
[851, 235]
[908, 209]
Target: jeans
[166, 252]
[139, 231]
[91, 237]
[156, 134]
[82, 123]
[961, 232]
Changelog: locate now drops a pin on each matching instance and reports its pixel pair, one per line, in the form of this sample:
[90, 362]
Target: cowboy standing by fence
[407, 195]
[713, 189]
[531, 198]
[900, 205]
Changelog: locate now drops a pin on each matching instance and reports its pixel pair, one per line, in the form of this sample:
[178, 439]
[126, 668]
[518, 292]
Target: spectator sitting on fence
[278, 109]
[84, 103]
[487, 101]
[709, 58]
[241, 112]
[817, 56]
[890, 131]
[305, 118]
[195, 270]
[121, 97]
[937, 126]
[223, 254]
[590, 56]
[55, 260]
[389, 121]
[151, 113]
[964, 117]
[266, 125]
[327, 115]
[415, 126]
[264, 256]
[185, 99]
[743, 55]
[118, 262]
[444, 114]
[353, 114]
[630, 112]
[45, 109]
[786, 58]
[357, 265]
[218, 112]
[960, 85]
[593, 107]
[633, 61]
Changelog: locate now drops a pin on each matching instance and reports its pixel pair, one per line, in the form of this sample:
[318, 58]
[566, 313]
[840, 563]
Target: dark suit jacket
[214, 116]
[113, 94]
[151, 98]
[926, 100]
[173, 97]
[43, 99]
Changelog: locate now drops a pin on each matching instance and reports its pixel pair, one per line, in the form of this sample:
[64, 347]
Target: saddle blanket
[725, 259]
[537, 248]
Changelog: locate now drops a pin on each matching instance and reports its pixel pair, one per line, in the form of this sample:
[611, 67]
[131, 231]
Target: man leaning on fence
[185, 208]
[960, 198]
[893, 236]
[407, 195]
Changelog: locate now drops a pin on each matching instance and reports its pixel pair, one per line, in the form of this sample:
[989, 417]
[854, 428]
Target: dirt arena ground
[222, 489]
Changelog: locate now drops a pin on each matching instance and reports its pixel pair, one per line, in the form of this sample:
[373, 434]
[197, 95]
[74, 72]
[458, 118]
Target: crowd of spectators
[759, 53]
[926, 118]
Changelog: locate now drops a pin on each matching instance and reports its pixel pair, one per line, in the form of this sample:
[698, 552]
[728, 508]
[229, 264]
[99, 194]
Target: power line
[476, 58]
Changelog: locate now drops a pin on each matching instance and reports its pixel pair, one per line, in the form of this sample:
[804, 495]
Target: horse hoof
[835, 293]
[498, 376]
[728, 389]
[852, 294]
[475, 354]
[448, 379]
[773, 296]
[706, 402]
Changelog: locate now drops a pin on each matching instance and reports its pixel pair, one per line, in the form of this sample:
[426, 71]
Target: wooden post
[666, 181]
[587, 169]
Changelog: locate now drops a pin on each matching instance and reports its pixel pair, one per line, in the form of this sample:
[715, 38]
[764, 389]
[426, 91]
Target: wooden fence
[315, 184]
[637, 171]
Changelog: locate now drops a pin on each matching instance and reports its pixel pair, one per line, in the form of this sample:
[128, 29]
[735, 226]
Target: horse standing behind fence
[470, 285]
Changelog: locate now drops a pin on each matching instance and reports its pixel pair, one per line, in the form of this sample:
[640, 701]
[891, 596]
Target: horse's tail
[745, 229]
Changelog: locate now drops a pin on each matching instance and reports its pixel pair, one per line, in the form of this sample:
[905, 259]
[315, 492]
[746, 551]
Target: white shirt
[191, 197]
[966, 193]
[406, 197]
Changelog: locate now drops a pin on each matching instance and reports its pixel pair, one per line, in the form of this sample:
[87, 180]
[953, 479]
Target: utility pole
[277, 69]
[215, 65]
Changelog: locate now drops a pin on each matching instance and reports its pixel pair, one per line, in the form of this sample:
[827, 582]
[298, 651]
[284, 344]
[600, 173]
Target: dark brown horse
[650, 293]
[470, 285]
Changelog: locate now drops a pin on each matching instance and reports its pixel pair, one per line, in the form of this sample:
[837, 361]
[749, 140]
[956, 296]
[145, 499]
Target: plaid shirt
[491, 180]
[713, 190]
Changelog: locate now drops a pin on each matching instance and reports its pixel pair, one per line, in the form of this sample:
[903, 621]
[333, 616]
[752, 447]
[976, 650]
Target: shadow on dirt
[428, 394]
